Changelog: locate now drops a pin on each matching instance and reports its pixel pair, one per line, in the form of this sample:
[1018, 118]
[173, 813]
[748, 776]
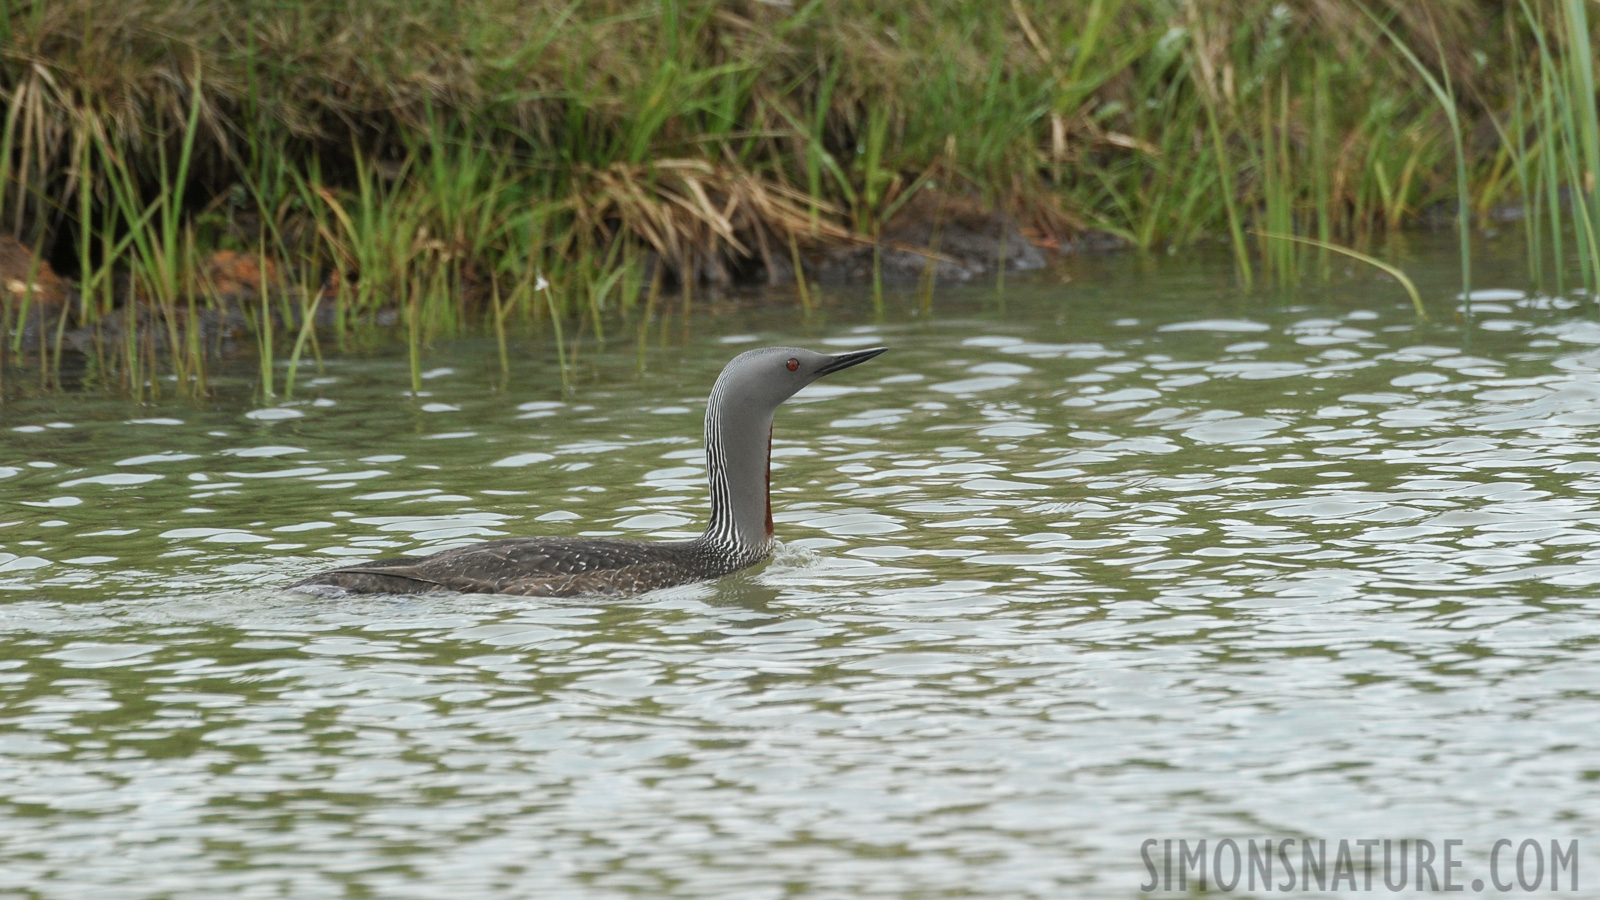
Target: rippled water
[1123, 557]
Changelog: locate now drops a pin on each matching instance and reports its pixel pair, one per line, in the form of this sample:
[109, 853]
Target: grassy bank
[502, 163]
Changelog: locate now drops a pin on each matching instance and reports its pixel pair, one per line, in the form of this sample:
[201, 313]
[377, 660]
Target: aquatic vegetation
[427, 165]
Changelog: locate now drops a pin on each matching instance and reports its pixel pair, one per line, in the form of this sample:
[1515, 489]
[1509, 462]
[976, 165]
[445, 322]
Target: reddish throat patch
[769, 482]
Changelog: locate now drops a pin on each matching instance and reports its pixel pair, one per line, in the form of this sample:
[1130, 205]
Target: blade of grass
[1444, 93]
[1387, 268]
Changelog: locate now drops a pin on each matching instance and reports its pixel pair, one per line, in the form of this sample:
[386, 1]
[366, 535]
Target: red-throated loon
[738, 458]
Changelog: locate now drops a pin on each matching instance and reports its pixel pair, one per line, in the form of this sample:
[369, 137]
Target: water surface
[1118, 554]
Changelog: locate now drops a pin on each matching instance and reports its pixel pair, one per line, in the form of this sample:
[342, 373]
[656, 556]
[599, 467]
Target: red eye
[793, 364]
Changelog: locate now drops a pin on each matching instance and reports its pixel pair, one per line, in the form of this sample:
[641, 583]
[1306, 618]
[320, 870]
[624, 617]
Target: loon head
[739, 437]
[754, 384]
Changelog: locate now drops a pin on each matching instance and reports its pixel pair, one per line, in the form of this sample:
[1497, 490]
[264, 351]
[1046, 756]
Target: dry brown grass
[713, 132]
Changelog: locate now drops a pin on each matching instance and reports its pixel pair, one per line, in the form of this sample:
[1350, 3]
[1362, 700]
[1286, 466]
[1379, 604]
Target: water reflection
[1048, 587]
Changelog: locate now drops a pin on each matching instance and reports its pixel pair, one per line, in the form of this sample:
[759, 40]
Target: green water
[1119, 554]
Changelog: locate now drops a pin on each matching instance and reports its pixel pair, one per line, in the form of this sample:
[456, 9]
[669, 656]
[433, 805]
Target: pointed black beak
[848, 359]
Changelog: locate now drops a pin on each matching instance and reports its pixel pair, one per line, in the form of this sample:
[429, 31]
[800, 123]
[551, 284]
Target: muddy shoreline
[926, 246]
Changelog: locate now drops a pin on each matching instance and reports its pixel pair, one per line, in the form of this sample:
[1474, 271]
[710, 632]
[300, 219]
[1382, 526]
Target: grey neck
[738, 451]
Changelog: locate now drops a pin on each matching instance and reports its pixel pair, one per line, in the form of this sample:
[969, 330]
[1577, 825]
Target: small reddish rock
[235, 276]
[22, 275]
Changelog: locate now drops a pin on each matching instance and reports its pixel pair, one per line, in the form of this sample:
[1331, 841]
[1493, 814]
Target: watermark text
[1361, 864]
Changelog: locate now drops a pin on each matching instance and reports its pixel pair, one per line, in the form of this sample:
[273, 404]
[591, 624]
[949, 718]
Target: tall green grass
[427, 169]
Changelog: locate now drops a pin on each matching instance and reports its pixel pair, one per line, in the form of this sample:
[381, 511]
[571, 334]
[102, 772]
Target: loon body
[738, 436]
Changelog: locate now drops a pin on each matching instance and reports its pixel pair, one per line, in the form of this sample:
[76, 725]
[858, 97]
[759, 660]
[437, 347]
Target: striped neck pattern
[738, 466]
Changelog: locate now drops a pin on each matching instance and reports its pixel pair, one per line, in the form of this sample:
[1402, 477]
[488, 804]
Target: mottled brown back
[545, 567]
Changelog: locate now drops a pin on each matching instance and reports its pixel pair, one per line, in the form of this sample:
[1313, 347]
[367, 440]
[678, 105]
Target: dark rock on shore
[956, 238]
